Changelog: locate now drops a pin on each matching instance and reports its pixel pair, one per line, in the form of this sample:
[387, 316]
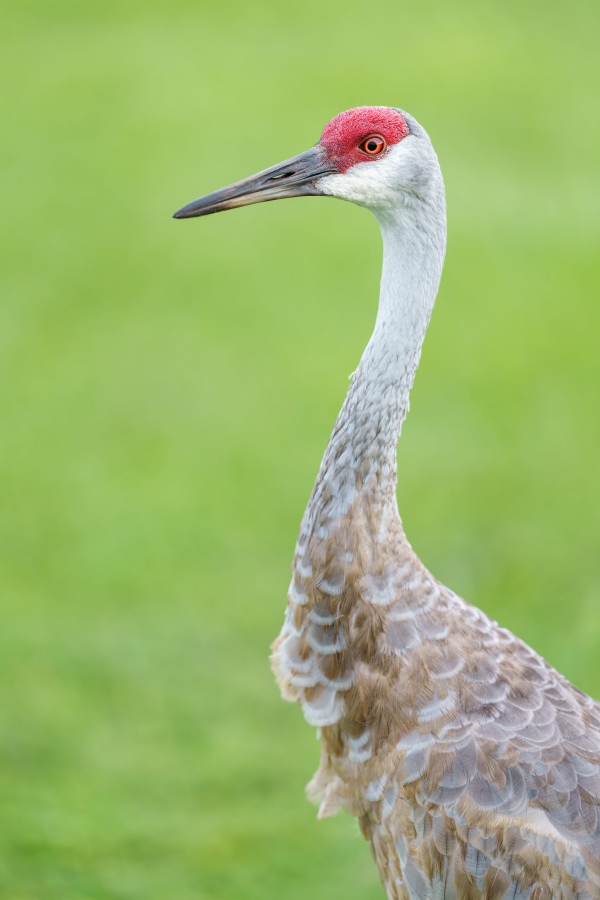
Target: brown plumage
[473, 766]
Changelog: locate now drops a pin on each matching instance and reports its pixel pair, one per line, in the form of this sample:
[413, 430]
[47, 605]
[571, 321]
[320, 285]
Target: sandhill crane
[472, 765]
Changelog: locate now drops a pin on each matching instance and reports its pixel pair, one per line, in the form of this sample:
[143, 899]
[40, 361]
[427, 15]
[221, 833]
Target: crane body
[472, 765]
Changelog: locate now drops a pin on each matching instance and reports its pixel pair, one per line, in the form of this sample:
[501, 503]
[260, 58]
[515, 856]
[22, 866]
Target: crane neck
[361, 454]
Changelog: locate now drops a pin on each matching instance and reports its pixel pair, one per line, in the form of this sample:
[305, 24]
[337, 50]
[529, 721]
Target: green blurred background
[167, 389]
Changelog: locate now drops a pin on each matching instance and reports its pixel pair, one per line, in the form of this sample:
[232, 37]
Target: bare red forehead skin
[342, 136]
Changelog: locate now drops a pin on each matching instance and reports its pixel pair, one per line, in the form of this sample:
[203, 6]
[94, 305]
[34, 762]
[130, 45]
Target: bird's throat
[360, 459]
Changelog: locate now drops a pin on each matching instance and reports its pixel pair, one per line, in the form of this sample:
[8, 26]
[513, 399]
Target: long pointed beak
[296, 177]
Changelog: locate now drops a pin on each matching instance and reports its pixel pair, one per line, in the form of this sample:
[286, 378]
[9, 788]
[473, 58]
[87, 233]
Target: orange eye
[373, 145]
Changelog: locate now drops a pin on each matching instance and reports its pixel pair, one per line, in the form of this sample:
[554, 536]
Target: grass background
[167, 389]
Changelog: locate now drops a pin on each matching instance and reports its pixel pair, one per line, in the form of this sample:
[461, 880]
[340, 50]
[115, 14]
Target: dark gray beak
[296, 177]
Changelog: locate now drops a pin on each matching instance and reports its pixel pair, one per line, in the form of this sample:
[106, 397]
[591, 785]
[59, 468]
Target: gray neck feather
[361, 453]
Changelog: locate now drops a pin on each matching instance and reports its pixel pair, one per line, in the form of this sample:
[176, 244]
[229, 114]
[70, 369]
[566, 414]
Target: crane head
[370, 155]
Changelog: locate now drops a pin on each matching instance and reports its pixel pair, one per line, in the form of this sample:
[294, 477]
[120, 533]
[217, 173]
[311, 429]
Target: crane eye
[373, 145]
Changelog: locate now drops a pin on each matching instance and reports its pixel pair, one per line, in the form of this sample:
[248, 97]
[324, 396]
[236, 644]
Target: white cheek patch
[406, 172]
[375, 182]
